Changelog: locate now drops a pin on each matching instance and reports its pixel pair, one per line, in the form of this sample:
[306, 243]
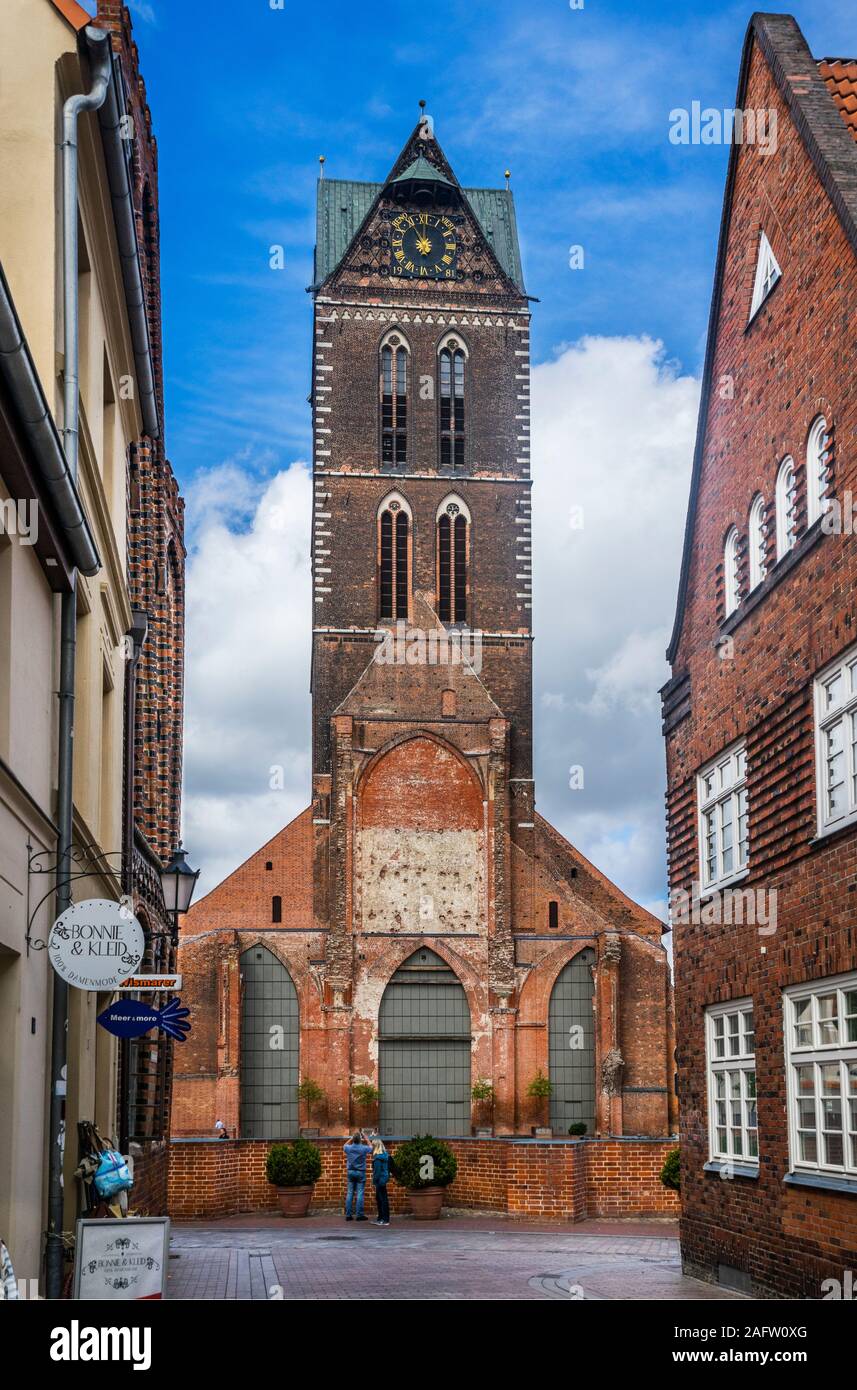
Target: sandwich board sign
[96, 944]
[120, 1259]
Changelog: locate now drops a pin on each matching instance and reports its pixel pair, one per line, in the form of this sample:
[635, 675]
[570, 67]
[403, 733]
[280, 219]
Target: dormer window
[767, 274]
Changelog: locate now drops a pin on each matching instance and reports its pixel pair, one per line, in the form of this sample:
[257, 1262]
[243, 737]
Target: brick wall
[561, 1181]
[769, 379]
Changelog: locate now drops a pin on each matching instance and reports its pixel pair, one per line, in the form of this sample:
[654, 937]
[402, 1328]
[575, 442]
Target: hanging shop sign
[129, 1018]
[121, 1259]
[96, 944]
[164, 982]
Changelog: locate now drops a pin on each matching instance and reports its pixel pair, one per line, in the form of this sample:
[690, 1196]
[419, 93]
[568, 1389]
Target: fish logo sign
[129, 1018]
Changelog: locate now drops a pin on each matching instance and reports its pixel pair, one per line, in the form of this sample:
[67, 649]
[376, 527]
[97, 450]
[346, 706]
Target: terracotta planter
[426, 1202]
[294, 1201]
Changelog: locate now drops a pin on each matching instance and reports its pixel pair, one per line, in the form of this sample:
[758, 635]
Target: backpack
[112, 1175]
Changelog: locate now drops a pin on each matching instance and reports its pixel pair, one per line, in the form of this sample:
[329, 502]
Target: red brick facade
[155, 678]
[422, 829]
[748, 676]
[525, 1178]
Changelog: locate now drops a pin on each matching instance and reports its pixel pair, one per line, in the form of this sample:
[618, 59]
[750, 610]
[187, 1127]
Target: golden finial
[321, 164]
[508, 176]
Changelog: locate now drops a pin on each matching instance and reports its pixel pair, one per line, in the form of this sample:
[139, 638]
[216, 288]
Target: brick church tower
[420, 927]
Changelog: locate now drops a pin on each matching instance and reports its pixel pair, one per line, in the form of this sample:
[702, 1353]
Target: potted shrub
[671, 1171]
[425, 1166]
[539, 1091]
[366, 1097]
[577, 1130]
[483, 1096]
[293, 1169]
[312, 1095]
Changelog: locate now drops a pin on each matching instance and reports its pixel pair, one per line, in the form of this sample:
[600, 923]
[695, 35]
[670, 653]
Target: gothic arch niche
[424, 1049]
[420, 842]
[269, 1074]
[572, 1045]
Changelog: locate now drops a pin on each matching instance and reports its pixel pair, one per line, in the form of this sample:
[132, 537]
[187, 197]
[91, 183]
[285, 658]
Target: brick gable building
[761, 710]
[420, 927]
[154, 683]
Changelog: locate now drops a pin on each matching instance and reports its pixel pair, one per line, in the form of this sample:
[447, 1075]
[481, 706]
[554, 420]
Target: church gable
[360, 228]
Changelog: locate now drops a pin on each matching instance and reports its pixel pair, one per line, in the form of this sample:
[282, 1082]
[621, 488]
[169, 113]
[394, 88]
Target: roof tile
[840, 75]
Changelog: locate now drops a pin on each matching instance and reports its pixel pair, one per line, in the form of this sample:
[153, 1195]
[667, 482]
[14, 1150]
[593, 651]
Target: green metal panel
[342, 204]
[424, 1041]
[572, 1045]
[269, 1074]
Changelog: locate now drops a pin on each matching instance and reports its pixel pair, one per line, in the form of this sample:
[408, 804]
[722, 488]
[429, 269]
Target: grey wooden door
[424, 1041]
[572, 1045]
[269, 1048]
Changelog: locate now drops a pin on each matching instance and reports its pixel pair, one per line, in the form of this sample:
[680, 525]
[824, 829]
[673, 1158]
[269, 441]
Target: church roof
[342, 205]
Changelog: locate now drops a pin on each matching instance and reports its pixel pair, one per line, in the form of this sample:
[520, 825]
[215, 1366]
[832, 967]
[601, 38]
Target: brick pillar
[227, 1086]
[338, 952]
[501, 948]
[608, 1057]
[503, 1068]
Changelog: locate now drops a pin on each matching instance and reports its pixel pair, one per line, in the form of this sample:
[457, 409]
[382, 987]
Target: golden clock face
[425, 246]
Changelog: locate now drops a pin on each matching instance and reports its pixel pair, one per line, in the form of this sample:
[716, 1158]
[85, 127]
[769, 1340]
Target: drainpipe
[100, 60]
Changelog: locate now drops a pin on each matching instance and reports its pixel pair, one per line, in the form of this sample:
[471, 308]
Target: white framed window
[767, 274]
[731, 590]
[816, 468]
[758, 564]
[730, 1049]
[786, 508]
[820, 1022]
[723, 827]
[835, 699]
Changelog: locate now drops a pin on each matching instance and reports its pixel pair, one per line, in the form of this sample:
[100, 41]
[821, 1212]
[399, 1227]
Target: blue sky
[576, 102]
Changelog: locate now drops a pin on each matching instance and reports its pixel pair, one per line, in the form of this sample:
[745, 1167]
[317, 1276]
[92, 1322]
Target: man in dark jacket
[356, 1151]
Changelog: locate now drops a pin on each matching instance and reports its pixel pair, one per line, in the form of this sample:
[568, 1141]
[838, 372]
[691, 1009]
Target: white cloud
[144, 11]
[248, 647]
[613, 428]
[631, 676]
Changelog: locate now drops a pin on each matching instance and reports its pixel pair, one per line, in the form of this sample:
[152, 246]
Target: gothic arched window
[452, 357]
[394, 401]
[731, 587]
[816, 468]
[758, 544]
[394, 557]
[786, 516]
[453, 558]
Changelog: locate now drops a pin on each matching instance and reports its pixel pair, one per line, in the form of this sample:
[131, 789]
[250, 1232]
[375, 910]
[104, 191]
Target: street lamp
[178, 881]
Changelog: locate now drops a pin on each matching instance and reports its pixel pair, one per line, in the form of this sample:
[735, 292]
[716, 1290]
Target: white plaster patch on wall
[420, 880]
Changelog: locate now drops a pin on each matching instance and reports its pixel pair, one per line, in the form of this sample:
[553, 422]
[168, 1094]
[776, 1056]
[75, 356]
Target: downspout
[100, 58]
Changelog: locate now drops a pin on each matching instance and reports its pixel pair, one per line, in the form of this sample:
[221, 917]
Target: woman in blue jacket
[380, 1177]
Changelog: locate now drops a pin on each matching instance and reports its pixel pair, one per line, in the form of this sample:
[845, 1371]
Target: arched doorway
[424, 1044]
[269, 1047]
[572, 1045]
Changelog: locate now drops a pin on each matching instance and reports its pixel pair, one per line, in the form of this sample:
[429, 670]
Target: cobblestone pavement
[459, 1258]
